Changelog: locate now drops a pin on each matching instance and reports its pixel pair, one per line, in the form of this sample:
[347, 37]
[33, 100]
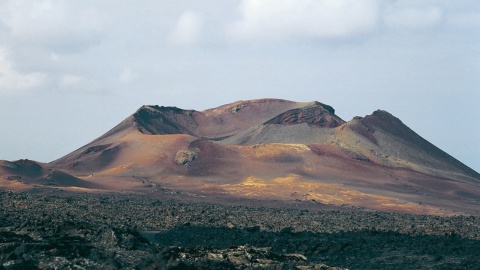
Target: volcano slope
[266, 151]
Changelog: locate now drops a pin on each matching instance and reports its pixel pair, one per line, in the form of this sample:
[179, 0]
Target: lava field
[59, 230]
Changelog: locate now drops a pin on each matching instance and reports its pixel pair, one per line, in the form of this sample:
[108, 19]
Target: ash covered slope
[392, 142]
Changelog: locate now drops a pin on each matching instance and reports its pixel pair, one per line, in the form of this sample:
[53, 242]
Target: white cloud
[289, 19]
[465, 20]
[187, 30]
[69, 81]
[414, 18]
[127, 75]
[62, 26]
[78, 83]
[12, 81]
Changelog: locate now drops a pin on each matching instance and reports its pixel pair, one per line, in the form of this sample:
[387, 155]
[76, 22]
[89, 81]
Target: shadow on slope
[22, 168]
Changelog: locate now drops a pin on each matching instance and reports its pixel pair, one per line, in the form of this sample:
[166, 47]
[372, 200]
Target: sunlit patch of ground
[80, 189]
[117, 170]
[254, 182]
[13, 185]
[293, 187]
[286, 180]
[276, 149]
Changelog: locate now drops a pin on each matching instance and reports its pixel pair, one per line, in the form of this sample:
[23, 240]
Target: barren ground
[57, 229]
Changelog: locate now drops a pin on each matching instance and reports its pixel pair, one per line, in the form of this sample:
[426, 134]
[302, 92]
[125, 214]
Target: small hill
[27, 172]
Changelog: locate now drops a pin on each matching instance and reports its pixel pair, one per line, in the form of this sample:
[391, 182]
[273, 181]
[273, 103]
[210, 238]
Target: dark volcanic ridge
[266, 150]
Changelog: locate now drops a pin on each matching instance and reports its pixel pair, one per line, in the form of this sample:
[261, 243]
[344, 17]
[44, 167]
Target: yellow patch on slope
[286, 180]
[274, 149]
[253, 182]
[117, 170]
[293, 187]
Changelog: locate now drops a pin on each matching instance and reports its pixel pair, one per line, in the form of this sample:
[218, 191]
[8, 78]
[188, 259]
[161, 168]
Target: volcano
[267, 151]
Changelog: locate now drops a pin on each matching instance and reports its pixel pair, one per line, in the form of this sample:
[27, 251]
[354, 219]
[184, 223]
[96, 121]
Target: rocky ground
[111, 231]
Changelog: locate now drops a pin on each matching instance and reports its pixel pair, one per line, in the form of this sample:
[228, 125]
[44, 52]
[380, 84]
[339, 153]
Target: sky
[72, 70]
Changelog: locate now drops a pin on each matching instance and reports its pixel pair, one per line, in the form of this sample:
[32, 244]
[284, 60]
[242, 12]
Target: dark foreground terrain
[110, 231]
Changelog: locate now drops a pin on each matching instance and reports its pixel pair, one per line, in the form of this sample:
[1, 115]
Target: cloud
[77, 83]
[466, 20]
[127, 75]
[61, 26]
[414, 18]
[290, 19]
[187, 30]
[69, 81]
[12, 81]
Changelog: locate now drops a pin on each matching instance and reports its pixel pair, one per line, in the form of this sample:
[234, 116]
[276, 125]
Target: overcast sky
[71, 70]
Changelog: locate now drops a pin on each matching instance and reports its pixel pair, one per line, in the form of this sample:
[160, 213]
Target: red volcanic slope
[268, 149]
